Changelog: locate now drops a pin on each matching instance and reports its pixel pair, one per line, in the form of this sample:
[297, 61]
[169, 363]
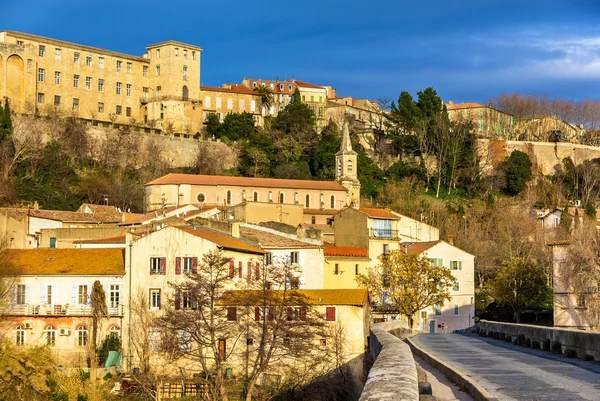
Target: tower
[346, 168]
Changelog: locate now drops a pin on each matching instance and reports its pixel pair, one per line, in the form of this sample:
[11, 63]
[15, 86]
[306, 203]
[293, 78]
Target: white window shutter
[43, 294]
[54, 294]
[90, 287]
[74, 294]
[28, 294]
[13, 295]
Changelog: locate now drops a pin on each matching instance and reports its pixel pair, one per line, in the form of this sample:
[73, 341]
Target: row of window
[438, 310]
[41, 99]
[218, 105]
[312, 99]
[271, 86]
[454, 264]
[88, 59]
[88, 82]
[176, 52]
[336, 269]
[201, 198]
[80, 294]
[50, 333]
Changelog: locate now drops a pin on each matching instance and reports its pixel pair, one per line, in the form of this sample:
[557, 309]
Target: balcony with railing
[384, 233]
[56, 310]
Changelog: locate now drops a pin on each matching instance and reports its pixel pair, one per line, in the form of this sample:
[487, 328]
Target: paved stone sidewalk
[510, 372]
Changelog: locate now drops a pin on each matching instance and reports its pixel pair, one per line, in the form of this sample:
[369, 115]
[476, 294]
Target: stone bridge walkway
[510, 372]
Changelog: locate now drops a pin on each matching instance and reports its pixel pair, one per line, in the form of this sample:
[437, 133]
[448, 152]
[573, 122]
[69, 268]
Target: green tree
[322, 155]
[212, 126]
[237, 126]
[590, 209]
[406, 114]
[267, 95]
[429, 103]
[521, 285]
[297, 98]
[518, 172]
[410, 282]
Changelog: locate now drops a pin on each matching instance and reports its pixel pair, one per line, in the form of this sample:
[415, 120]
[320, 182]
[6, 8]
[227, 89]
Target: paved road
[510, 372]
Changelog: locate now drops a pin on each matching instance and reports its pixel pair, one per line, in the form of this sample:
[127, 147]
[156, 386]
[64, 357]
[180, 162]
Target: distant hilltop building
[159, 89]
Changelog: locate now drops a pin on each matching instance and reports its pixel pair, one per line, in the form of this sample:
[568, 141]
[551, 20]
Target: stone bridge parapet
[570, 342]
[393, 376]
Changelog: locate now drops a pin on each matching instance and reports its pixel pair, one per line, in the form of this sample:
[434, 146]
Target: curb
[475, 390]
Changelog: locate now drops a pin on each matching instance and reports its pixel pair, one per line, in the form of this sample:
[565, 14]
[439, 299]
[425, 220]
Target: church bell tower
[346, 169]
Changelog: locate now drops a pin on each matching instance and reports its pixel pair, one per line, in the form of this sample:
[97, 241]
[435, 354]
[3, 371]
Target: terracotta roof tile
[417, 248]
[223, 240]
[378, 213]
[72, 261]
[325, 212]
[237, 89]
[61, 215]
[303, 84]
[460, 106]
[219, 180]
[271, 240]
[352, 297]
[346, 251]
[111, 240]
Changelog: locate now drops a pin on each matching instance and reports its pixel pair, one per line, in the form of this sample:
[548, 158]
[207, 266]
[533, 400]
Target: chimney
[235, 230]
[450, 239]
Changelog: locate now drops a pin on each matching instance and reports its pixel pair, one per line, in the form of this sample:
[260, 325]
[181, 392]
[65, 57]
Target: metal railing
[56, 310]
[384, 233]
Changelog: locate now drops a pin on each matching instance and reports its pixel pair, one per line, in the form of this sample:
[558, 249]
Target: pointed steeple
[346, 146]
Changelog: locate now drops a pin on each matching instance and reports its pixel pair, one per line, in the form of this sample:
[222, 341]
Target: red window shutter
[194, 265]
[271, 313]
[290, 313]
[303, 313]
[257, 271]
[177, 265]
[231, 268]
[232, 314]
[249, 276]
[177, 299]
[150, 265]
[222, 349]
[330, 314]
[257, 313]
[163, 266]
[240, 268]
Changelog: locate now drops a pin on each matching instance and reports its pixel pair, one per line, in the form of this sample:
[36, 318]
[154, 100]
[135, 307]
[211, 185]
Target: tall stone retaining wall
[393, 376]
[573, 343]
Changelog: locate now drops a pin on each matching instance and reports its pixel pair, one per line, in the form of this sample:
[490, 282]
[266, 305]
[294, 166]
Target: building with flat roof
[48, 76]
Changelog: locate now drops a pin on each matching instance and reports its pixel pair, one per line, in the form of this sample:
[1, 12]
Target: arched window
[114, 330]
[313, 220]
[255, 196]
[332, 202]
[19, 335]
[349, 166]
[185, 93]
[50, 333]
[307, 201]
[281, 197]
[82, 335]
[228, 197]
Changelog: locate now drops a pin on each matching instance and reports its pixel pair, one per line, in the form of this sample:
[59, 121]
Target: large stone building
[48, 76]
[232, 98]
[487, 121]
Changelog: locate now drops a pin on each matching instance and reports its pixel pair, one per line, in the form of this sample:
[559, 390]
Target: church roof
[217, 180]
[346, 146]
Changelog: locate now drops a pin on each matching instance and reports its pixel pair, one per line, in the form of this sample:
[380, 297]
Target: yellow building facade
[46, 76]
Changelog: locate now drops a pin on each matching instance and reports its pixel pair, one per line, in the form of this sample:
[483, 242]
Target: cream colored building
[284, 248]
[570, 308]
[283, 93]
[48, 76]
[459, 312]
[50, 298]
[488, 122]
[231, 98]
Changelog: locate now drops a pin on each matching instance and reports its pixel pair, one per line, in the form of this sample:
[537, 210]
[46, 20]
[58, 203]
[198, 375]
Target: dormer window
[290, 87]
[280, 87]
[254, 84]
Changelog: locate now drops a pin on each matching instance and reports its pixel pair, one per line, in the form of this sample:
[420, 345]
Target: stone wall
[546, 157]
[393, 376]
[573, 343]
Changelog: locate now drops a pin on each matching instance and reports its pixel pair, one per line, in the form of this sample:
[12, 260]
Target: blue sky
[468, 50]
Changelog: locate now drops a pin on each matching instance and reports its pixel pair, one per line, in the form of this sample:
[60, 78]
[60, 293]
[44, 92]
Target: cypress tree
[297, 97]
